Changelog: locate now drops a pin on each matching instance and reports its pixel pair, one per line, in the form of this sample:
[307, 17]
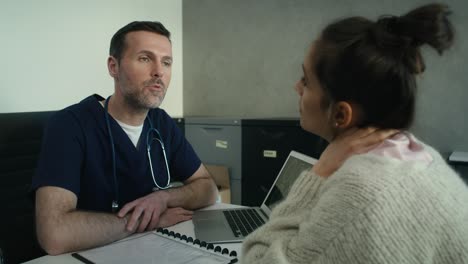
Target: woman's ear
[345, 115]
[112, 66]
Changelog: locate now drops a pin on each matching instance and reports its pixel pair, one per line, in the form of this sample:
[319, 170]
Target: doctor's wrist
[124, 222]
[163, 196]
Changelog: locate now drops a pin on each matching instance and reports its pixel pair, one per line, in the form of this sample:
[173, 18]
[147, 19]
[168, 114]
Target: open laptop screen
[291, 170]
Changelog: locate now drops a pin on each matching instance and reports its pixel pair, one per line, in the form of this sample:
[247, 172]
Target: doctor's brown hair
[117, 44]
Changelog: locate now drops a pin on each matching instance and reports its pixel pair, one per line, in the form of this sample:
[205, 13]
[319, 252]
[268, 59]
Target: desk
[183, 228]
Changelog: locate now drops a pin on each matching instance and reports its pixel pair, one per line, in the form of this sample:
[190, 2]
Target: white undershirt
[133, 132]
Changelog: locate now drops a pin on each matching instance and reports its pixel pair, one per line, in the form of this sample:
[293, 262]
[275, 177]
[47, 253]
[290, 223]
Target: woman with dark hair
[377, 194]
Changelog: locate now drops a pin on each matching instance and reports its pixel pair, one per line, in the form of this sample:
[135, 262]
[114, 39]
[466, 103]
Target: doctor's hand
[173, 216]
[145, 211]
[352, 142]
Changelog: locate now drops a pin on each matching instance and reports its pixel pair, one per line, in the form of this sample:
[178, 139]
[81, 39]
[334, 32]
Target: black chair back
[20, 142]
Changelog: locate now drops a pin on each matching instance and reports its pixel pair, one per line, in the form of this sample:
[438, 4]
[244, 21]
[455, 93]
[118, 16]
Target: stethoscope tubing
[115, 204]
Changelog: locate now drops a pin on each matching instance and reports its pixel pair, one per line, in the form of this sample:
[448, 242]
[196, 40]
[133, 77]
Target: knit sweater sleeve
[304, 226]
[361, 214]
[271, 242]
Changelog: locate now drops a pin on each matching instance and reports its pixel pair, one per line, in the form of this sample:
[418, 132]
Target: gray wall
[242, 58]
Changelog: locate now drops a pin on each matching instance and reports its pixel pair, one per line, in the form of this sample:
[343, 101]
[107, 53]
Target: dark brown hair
[373, 64]
[117, 44]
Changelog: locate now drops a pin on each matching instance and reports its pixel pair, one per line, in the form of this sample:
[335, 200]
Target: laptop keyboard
[243, 221]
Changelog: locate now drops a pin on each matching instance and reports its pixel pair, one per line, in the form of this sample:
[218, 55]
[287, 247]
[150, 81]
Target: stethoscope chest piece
[115, 206]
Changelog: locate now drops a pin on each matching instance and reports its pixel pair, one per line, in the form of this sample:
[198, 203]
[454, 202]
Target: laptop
[233, 225]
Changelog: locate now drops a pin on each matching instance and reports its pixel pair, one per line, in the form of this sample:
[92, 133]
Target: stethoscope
[149, 140]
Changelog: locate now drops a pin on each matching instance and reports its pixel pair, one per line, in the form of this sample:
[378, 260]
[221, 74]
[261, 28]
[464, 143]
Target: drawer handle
[212, 128]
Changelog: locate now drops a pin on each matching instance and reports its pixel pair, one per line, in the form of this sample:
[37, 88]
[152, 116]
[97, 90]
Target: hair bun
[387, 23]
[428, 24]
[387, 34]
[402, 36]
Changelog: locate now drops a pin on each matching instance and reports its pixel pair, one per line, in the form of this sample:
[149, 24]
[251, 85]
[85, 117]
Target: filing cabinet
[217, 141]
[254, 150]
[266, 144]
[459, 162]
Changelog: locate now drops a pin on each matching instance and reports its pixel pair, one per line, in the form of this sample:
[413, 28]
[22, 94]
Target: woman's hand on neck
[346, 143]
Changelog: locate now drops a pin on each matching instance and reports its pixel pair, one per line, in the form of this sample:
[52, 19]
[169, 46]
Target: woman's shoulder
[366, 168]
[368, 176]
[375, 177]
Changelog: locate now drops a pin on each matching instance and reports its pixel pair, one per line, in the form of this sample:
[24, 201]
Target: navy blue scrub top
[76, 155]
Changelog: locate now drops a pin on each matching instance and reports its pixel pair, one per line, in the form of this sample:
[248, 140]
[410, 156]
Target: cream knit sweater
[372, 210]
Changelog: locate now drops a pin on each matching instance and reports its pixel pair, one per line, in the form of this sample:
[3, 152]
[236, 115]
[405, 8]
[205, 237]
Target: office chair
[1, 256]
[20, 142]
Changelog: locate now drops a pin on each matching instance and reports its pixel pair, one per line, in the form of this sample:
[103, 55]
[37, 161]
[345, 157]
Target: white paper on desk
[152, 248]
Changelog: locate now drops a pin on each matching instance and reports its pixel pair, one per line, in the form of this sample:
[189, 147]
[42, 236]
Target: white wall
[53, 52]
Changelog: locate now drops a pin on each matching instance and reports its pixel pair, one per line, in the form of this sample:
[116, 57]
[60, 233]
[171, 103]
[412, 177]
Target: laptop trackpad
[210, 224]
